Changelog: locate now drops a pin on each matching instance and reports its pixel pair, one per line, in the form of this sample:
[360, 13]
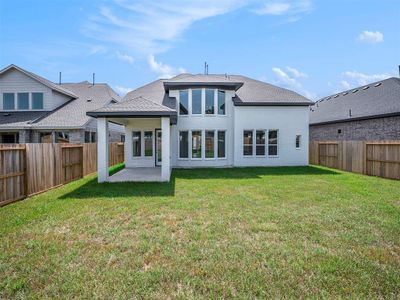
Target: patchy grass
[209, 233]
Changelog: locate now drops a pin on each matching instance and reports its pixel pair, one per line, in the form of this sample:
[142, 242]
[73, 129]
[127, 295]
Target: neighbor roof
[153, 100]
[42, 80]
[378, 99]
[73, 113]
[19, 119]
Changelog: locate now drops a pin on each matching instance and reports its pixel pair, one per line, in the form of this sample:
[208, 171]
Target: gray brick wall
[374, 129]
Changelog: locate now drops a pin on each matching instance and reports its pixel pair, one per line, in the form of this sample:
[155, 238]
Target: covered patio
[147, 140]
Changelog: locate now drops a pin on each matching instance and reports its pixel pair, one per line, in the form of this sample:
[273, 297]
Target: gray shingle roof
[20, 119]
[375, 99]
[73, 114]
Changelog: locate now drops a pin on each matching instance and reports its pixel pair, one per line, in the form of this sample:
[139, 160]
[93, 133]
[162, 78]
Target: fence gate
[13, 183]
[72, 162]
[383, 159]
[328, 155]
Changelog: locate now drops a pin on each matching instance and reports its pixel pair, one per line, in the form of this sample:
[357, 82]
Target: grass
[209, 233]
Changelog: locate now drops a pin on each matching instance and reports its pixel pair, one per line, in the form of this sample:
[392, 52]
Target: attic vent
[88, 100]
[355, 91]
[365, 88]
[344, 94]
[378, 84]
[336, 96]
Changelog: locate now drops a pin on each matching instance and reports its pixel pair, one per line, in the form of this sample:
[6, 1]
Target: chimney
[59, 78]
[94, 76]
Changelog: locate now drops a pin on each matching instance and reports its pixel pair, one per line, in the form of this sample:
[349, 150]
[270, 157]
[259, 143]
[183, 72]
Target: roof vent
[345, 93]
[378, 84]
[365, 88]
[355, 91]
[328, 98]
[336, 96]
[88, 100]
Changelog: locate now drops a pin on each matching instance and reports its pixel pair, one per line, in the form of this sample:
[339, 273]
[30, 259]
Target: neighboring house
[36, 110]
[207, 121]
[370, 112]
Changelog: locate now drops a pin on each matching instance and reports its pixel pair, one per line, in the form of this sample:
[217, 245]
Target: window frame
[144, 143]
[14, 106]
[259, 145]
[298, 136]
[140, 144]
[247, 145]
[201, 144]
[65, 132]
[188, 145]
[213, 146]
[217, 156]
[32, 101]
[277, 143]
[222, 91]
[213, 101]
[18, 106]
[188, 101]
[201, 102]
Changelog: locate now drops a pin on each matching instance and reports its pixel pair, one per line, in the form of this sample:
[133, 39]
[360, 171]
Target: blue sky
[314, 47]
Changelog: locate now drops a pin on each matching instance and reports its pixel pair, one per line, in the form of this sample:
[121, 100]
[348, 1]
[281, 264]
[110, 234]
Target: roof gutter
[357, 119]
[272, 103]
[131, 114]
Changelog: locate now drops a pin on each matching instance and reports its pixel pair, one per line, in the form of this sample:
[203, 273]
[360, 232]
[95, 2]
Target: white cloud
[151, 27]
[372, 37]
[163, 70]
[125, 57]
[290, 80]
[281, 7]
[352, 79]
[122, 90]
[296, 73]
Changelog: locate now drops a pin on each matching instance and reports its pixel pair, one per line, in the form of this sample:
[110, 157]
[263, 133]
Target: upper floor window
[210, 104]
[221, 102]
[8, 101]
[37, 100]
[183, 102]
[196, 102]
[23, 100]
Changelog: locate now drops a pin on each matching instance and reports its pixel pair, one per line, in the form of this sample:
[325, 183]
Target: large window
[221, 144]
[37, 100]
[298, 141]
[196, 102]
[196, 144]
[210, 105]
[273, 142]
[221, 102]
[136, 142]
[260, 142]
[183, 102]
[210, 144]
[148, 143]
[23, 100]
[8, 101]
[183, 144]
[247, 142]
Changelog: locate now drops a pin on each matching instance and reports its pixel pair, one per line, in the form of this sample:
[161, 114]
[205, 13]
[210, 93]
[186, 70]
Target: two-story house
[205, 121]
[36, 110]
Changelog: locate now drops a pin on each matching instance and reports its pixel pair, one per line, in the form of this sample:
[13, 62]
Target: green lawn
[209, 233]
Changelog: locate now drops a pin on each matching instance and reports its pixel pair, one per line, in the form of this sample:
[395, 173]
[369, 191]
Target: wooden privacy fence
[376, 158]
[28, 169]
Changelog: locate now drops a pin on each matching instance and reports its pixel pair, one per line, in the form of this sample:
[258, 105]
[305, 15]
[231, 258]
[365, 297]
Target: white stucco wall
[142, 125]
[14, 81]
[288, 120]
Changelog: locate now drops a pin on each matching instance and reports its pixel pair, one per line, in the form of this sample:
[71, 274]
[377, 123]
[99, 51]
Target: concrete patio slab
[137, 175]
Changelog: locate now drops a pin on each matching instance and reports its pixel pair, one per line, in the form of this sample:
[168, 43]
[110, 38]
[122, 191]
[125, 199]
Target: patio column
[165, 159]
[102, 149]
